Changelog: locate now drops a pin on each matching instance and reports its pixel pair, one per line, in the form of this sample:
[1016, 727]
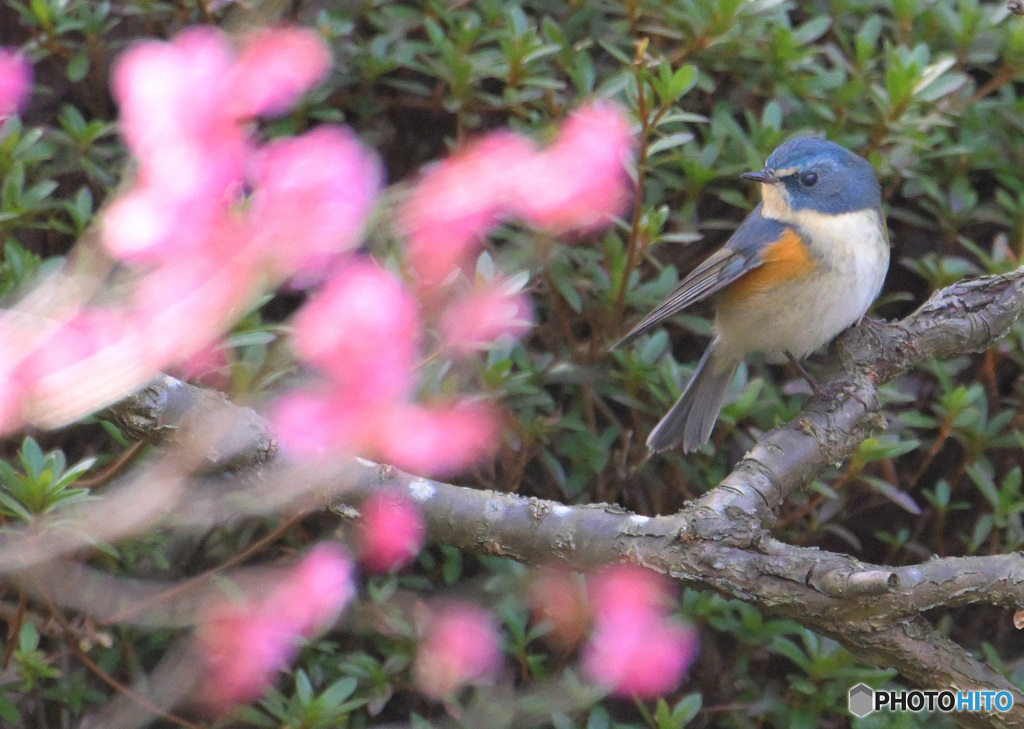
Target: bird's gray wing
[743, 252]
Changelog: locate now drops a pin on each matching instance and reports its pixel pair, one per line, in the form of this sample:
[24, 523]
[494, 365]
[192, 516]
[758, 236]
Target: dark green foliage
[931, 93]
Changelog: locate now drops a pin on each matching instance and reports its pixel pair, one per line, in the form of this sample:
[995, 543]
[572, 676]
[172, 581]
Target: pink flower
[635, 648]
[316, 592]
[461, 646]
[363, 330]
[391, 532]
[627, 590]
[83, 336]
[184, 105]
[141, 223]
[172, 97]
[191, 153]
[558, 601]
[243, 653]
[245, 644]
[191, 299]
[644, 657]
[15, 81]
[208, 366]
[439, 440]
[13, 389]
[457, 201]
[312, 196]
[580, 181]
[275, 68]
[485, 315]
[308, 423]
[171, 88]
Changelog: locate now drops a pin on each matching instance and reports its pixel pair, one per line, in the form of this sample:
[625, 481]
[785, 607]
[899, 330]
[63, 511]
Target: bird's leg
[875, 326]
[829, 391]
[804, 373]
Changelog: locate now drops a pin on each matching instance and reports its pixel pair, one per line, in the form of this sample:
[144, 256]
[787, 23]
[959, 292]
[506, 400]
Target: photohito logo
[864, 700]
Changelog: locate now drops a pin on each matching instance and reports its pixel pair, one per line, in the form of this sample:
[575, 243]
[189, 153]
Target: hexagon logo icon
[861, 700]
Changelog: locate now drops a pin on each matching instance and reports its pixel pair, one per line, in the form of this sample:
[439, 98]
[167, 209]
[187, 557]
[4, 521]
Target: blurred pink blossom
[243, 653]
[274, 69]
[15, 81]
[457, 200]
[185, 111]
[362, 332]
[317, 591]
[313, 423]
[438, 440]
[245, 644]
[558, 601]
[461, 646]
[362, 329]
[391, 532]
[172, 96]
[479, 318]
[645, 656]
[312, 196]
[190, 301]
[212, 215]
[140, 223]
[12, 386]
[208, 366]
[580, 181]
[627, 590]
[79, 338]
[635, 647]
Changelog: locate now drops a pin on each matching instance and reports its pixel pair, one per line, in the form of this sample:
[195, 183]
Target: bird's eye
[809, 179]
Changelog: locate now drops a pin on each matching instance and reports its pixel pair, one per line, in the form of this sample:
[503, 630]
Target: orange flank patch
[785, 260]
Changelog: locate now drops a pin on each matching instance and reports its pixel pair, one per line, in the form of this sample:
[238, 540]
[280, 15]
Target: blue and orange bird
[805, 264]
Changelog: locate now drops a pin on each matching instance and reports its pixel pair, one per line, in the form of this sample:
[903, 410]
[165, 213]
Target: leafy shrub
[930, 93]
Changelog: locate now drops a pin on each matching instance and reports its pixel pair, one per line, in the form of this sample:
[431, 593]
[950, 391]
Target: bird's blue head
[809, 173]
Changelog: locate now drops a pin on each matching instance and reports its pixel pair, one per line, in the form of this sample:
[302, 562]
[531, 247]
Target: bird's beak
[763, 177]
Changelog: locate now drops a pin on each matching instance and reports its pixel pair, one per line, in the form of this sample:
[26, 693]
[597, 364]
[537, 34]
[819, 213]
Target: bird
[804, 265]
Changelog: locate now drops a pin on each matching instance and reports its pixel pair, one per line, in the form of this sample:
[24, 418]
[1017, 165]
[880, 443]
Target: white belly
[801, 317]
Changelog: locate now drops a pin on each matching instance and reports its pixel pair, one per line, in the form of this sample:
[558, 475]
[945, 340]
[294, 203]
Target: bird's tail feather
[693, 416]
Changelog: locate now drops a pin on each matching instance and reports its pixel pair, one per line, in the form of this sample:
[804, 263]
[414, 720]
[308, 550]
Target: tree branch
[721, 541]
[965, 317]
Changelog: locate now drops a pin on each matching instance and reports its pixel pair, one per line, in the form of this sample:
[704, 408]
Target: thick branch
[965, 317]
[720, 541]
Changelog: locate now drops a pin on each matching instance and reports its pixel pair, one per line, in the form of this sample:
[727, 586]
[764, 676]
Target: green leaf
[682, 81]
[812, 30]
[14, 507]
[571, 296]
[687, 709]
[78, 67]
[28, 638]
[672, 141]
[598, 719]
[9, 712]
[41, 11]
[893, 494]
[338, 692]
[32, 458]
[880, 449]
[983, 481]
[303, 687]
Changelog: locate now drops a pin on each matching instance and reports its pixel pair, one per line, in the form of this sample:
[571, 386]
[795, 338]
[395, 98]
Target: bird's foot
[838, 387]
[804, 373]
